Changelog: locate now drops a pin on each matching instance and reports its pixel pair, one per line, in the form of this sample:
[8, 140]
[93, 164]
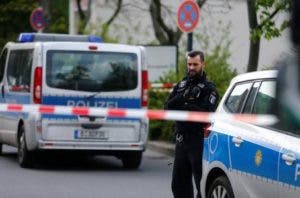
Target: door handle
[237, 141]
[289, 158]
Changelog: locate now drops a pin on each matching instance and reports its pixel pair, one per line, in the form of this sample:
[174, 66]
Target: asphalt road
[101, 177]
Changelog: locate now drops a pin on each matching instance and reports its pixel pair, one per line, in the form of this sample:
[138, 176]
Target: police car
[246, 160]
[56, 69]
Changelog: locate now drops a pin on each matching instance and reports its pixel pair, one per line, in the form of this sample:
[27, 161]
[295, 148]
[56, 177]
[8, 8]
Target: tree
[56, 15]
[84, 16]
[262, 23]
[102, 27]
[106, 24]
[14, 18]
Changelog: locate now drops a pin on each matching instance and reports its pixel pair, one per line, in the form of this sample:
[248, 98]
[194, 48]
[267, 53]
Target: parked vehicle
[247, 160]
[55, 69]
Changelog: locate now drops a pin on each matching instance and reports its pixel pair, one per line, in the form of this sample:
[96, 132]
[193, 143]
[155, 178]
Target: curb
[162, 147]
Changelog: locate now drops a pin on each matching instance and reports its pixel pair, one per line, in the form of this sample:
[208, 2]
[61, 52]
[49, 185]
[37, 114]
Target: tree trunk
[254, 44]
[84, 16]
[164, 34]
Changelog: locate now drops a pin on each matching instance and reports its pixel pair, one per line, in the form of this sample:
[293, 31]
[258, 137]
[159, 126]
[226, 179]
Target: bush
[159, 129]
[218, 71]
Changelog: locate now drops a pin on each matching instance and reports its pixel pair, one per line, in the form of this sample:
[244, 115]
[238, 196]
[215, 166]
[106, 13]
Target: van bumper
[100, 146]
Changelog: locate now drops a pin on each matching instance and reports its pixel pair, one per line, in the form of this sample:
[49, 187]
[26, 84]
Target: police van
[57, 69]
[247, 160]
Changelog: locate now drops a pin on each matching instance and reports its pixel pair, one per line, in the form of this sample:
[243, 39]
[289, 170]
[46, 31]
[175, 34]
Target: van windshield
[91, 71]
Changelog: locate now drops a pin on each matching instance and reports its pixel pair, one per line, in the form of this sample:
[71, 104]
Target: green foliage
[216, 58]
[218, 71]
[59, 16]
[266, 11]
[159, 129]
[14, 18]
[103, 31]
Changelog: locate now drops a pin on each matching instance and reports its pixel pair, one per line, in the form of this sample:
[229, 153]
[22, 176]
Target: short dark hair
[196, 53]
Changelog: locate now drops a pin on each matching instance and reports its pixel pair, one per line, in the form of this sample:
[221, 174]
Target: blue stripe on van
[71, 117]
[16, 98]
[129, 103]
[93, 102]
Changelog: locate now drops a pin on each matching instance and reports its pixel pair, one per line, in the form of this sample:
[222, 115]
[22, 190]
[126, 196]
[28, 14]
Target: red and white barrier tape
[162, 85]
[192, 116]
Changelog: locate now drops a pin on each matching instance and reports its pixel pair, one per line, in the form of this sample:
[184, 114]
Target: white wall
[134, 26]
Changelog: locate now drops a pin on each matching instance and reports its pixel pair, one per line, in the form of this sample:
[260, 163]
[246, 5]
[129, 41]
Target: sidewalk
[162, 147]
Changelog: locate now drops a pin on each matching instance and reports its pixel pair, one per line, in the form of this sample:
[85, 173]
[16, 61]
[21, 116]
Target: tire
[25, 157]
[220, 188]
[0, 149]
[132, 160]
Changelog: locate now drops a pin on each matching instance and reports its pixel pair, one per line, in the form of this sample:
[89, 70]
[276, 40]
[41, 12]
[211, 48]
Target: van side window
[19, 70]
[2, 63]
[235, 101]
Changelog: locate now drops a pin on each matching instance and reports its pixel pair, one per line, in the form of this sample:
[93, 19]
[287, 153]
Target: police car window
[236, 99]
[250, 100]
[19, 70]
[91, 71]
[2, 63]
[265, 98]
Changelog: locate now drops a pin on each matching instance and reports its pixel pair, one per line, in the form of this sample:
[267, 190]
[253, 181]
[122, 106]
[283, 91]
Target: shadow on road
[73, 162]
[68, 161]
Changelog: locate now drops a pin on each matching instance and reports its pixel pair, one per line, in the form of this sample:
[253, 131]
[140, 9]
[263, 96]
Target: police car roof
[255, 75]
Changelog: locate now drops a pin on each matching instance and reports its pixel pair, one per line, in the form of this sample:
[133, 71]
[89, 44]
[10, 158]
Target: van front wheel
[132, 160]
[25, 157]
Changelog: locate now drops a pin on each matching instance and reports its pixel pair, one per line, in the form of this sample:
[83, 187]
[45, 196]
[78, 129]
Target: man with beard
[193, 93]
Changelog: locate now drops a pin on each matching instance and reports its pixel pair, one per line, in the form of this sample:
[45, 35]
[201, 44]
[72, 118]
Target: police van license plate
[90, 134]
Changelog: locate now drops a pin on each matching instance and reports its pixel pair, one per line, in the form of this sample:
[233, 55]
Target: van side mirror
[287, 103]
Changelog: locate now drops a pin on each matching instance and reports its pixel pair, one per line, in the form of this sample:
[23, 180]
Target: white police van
[56, 69]
[245, 160]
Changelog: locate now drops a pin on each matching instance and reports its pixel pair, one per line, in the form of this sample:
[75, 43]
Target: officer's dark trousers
[187, 163]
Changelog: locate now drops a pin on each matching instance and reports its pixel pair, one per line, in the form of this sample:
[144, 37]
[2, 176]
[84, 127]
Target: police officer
[193, 93]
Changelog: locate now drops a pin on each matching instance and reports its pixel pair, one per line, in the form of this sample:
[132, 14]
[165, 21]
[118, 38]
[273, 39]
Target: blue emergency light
[26, 37]
[46, 37]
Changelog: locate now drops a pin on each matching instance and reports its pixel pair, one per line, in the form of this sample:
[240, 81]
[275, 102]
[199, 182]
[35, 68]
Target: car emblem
[258, 158]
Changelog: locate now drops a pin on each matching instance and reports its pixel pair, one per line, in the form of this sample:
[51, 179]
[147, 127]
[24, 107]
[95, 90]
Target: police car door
[16, 88]
[254, 159]
[289, 166]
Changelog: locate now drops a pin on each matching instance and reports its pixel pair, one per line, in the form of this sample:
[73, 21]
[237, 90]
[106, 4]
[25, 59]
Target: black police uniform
[195, 94]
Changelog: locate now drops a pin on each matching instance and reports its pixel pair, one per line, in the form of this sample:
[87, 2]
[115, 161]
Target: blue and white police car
[245, 160]
[56, 69]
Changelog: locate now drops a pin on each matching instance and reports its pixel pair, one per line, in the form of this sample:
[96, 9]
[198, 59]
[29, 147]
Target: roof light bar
[31, 37]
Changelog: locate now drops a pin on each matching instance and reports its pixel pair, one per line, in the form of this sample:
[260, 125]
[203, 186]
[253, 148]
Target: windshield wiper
[92, 95]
